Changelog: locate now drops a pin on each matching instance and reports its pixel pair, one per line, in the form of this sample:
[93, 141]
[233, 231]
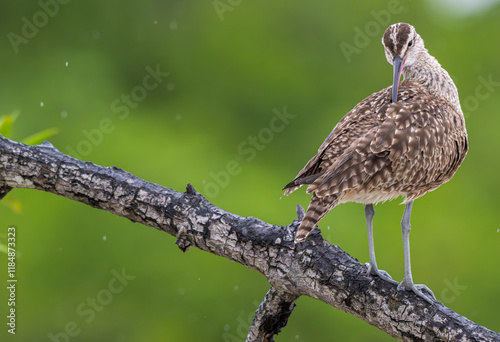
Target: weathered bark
[314, 268]
[271, 316]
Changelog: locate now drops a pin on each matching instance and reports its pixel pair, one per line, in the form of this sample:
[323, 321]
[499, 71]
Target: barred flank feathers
[317, 209]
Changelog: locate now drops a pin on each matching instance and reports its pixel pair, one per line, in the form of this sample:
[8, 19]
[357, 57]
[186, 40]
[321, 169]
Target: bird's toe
[419, 290]
[380, 273]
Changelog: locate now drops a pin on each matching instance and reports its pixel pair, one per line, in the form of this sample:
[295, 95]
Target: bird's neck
[428, 72]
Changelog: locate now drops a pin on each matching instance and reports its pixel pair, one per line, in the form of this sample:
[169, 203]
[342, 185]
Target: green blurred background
[231, 65]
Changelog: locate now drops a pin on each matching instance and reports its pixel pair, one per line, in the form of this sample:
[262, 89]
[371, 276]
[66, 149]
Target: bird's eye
[410, 43]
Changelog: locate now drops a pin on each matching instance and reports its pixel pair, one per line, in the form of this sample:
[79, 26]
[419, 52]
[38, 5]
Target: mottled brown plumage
[402, 142]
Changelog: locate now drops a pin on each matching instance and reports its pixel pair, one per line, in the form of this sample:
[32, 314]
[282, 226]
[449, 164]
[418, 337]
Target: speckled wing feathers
[382, 150]
[355, 123]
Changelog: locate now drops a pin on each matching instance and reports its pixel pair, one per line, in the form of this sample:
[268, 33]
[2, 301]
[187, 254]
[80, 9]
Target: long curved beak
[398, 64]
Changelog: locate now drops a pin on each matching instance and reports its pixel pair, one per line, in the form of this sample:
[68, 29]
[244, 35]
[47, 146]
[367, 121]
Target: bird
[402, 141]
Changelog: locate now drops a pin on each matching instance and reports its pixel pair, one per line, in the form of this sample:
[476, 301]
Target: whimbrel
[404, 140]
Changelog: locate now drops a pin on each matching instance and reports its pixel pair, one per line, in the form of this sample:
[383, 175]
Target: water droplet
[226, 327]
[178, 117]
[170, 86]
[41, 104]
[181, 291]
[236, 287]
[296, 337]
[104, 238]
[199, 278]
[67, 63]
[156, 22]
[64, 114]
[173, 25]
[498, 230]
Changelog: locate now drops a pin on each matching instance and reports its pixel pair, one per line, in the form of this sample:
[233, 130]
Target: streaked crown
[402, 40]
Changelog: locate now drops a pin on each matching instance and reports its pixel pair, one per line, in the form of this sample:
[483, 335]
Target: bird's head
[402, 46]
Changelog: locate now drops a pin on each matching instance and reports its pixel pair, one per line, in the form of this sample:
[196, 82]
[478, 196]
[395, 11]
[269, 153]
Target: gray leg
[407, 283]
[372, 266]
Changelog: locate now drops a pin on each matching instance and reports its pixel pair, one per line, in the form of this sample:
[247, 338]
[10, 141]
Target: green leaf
[6, 123]
[40, 137]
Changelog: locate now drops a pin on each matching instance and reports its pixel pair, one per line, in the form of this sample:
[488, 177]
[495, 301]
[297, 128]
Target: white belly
[370, 197]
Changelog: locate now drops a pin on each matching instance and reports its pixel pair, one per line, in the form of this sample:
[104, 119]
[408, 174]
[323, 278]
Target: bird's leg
[407, 282]
[372, 265]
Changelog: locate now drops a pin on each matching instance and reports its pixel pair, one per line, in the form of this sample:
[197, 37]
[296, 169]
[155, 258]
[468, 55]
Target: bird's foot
[373, 270]
[407, 284]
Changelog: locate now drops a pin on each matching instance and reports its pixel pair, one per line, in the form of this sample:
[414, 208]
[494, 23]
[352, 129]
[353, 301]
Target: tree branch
[314, 268]
[271, 316]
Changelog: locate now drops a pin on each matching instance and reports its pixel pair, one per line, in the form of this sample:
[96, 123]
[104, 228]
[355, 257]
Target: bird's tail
[317, 209]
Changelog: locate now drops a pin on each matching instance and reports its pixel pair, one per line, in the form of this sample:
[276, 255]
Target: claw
[417, 289]
[380, 273]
